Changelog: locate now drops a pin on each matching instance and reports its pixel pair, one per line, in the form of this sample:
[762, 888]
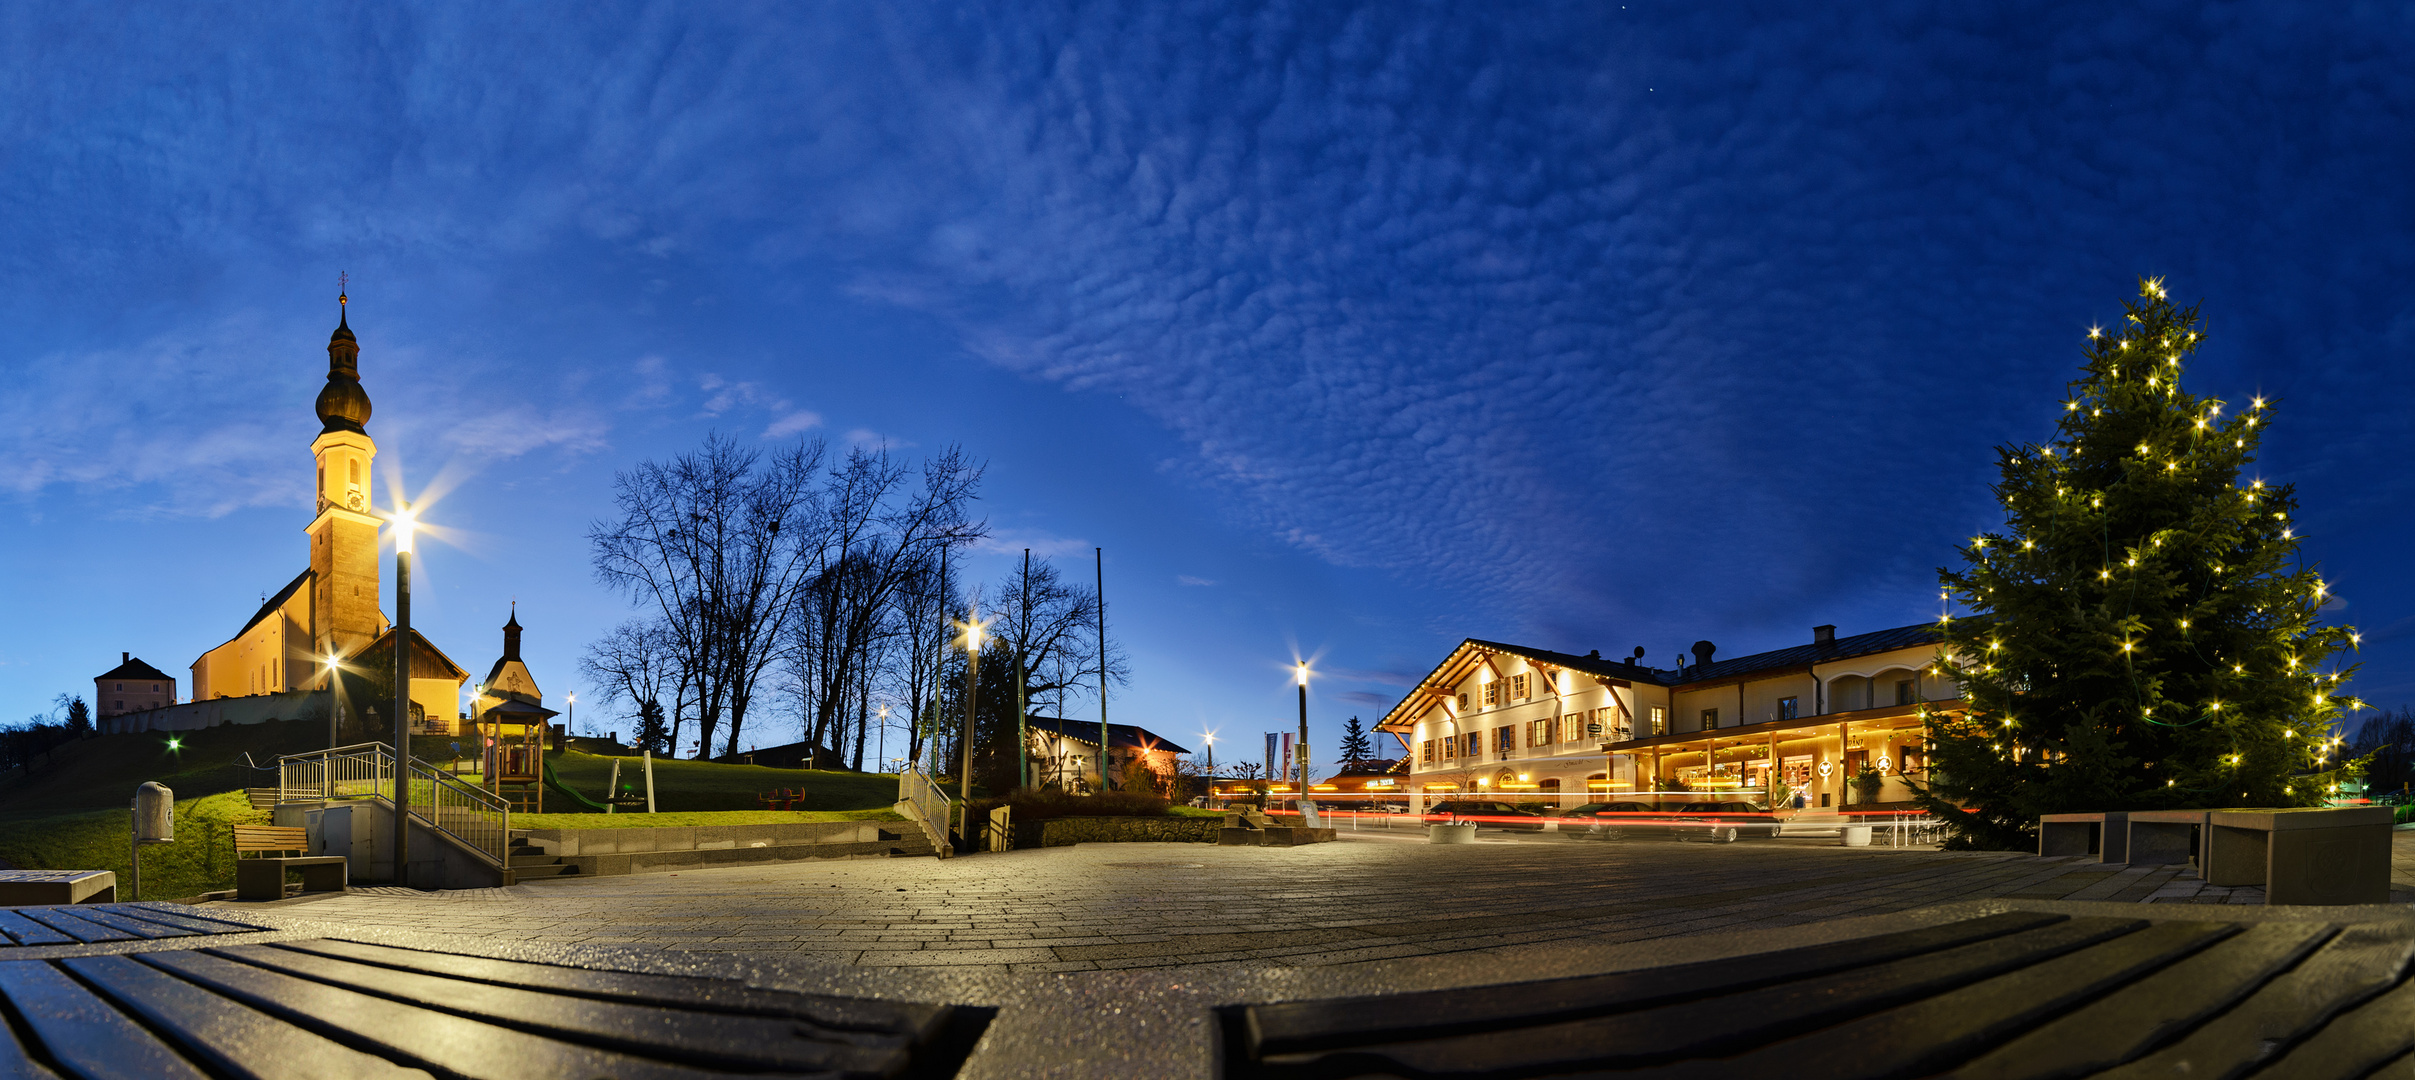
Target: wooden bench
[262, 875]
[20, 888]
[2106, 835]
[2164, 837]
[2303, 855]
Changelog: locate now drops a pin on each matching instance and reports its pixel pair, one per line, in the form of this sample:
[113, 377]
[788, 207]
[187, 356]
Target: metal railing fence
[931, 804]
[478, 818]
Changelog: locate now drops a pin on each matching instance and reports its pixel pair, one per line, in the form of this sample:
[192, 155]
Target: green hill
[69, 812]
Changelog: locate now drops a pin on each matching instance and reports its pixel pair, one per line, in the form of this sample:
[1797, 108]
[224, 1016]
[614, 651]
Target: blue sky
[1349, 330]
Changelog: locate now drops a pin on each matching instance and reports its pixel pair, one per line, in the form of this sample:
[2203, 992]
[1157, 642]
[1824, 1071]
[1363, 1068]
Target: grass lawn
[102, 772]
[201, 860]
[696, 817]
[681, 786]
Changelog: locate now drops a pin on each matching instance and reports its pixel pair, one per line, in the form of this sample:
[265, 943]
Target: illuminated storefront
[1551, 728]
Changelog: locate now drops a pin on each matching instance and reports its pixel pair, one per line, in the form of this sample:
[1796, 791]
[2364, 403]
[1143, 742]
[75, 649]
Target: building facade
[1552, 728]
[131, 687]
[1064, 753]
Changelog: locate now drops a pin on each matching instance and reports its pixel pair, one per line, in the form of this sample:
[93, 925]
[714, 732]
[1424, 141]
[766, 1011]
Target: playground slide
[556, 783]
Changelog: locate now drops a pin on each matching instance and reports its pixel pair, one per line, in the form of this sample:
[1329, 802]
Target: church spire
[511, 634]
[343, 405]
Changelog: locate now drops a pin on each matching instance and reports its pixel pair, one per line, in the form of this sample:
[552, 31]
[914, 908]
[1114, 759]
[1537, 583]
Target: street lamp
[571, 722]
[1300, 673]
[404, 525]
[335, 700]
[972, 694]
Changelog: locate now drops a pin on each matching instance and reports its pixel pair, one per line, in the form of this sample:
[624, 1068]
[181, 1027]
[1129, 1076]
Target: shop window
[1710, 719]
[1786, 708]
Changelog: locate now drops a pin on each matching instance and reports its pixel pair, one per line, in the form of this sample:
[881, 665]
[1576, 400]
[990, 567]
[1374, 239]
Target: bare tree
[718, 542]
[638, 662]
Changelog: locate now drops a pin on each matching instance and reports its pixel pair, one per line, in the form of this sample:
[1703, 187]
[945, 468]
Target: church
[282, 662]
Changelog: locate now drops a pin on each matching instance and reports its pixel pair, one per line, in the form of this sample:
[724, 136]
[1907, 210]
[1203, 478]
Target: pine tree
[1356, 750]
[2143, 633]
[653, 732]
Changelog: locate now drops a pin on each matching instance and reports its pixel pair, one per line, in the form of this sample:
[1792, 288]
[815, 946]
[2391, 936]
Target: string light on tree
[2112, 718]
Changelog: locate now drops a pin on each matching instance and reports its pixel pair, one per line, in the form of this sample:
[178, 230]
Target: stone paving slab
[1103, 906]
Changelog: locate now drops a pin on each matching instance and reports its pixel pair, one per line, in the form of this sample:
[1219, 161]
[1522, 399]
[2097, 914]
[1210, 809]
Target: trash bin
[1855, 835]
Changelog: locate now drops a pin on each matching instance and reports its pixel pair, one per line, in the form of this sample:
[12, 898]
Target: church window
[355, 471]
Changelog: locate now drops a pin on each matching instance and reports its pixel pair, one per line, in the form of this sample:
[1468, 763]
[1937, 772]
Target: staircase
[531, 863]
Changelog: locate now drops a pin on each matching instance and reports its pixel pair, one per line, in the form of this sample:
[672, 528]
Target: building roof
[269, 606]
[134, 668]
[1452, 670]
[516, 710]
[1086, 731]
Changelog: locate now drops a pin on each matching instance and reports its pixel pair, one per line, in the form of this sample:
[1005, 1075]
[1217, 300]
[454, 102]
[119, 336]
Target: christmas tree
[2143, 633]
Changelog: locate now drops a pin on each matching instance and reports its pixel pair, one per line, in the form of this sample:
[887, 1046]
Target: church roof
[133, 668]
[269, 606]
[422, 651]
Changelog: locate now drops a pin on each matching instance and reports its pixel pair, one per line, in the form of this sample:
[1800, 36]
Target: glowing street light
[1300, 760]
[972, 693]
[405, 523]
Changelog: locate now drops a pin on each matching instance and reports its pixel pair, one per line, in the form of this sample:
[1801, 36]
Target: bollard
[154, 823]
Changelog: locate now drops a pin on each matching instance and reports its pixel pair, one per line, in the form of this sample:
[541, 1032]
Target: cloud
[1044, 545]
[1367, 700]
[1186, 579]
[517, 430]
[870, 439]
[793, 423]
[1387, 678]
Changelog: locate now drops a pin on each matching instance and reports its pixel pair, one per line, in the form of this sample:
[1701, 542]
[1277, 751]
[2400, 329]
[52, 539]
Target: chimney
[125, 658]
[1823, 635]
[1702, 653]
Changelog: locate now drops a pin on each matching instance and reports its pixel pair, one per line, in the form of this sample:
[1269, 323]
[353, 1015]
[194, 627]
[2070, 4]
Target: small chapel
[327, 618]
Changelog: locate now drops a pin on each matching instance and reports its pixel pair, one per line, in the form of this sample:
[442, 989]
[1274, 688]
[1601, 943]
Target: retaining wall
[1068, 831]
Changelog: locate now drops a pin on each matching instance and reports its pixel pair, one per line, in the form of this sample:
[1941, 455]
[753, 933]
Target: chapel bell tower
[343, 537]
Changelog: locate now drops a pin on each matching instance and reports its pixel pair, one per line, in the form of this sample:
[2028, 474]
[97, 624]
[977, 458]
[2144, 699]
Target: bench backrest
[270, 838]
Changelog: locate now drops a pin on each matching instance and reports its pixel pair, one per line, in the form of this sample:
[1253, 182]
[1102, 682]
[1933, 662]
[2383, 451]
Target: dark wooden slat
[2355, 1042]
[28, 932]
[2360, 962]
[1920, 1038]
[439, 1042]
[82, 1033]
[2174, 1000]
[913, 1020]
[15, 1063]
[238, 1040]
[60, 920]
[185, 917]
[1724, 1025]
[141, 928]
[732, 1041]
[1293, 1027]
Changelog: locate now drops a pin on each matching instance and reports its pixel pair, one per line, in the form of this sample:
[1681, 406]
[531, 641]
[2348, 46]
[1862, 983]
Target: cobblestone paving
[1099, 906]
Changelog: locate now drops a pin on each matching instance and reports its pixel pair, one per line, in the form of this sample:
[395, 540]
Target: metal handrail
[927, 801]
[478, 818]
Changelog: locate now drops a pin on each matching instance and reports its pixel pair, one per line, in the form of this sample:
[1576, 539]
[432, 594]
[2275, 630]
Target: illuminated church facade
[328, 615]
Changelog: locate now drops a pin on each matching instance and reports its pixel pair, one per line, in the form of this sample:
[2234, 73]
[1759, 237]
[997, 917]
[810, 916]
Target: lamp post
[570, 724]
[1300, 670]
[1210, 738]
[403, 524]
[972, 695]
[335, 700]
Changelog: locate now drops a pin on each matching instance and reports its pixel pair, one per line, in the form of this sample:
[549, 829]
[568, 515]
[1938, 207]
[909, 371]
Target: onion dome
[343, 405]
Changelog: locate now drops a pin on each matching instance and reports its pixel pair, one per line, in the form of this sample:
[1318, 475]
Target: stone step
[546, 870]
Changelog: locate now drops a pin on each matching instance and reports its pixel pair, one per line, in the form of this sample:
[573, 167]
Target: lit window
[1492, 693]
[1660, 720]
[1517, 687]
[1786, 708]
[1710, 719]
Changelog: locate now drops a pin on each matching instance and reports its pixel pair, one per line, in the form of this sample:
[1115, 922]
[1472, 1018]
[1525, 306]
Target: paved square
[1103, 906]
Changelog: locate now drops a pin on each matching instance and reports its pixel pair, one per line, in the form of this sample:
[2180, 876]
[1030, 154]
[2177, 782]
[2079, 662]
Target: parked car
[1485, 813]
[1721, 822]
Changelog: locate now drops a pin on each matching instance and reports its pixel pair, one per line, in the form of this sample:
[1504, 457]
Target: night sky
[1348, 332]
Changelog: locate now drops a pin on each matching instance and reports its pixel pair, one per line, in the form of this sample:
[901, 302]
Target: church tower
[343, 537]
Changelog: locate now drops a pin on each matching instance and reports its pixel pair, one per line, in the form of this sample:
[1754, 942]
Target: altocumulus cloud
[1692, 317]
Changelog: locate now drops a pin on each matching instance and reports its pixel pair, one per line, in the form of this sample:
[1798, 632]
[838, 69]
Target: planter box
[1450, 834]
